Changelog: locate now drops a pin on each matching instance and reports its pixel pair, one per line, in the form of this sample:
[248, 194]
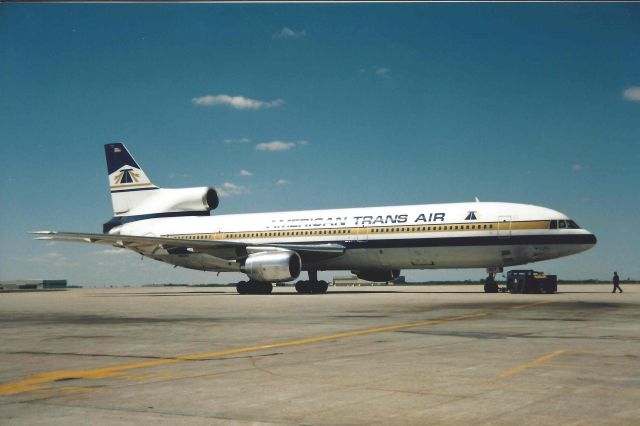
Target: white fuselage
[430, 236]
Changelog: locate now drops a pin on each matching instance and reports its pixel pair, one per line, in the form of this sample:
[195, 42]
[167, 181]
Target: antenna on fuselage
[477, 200]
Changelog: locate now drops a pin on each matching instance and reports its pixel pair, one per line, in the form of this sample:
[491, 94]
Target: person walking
[616, 283]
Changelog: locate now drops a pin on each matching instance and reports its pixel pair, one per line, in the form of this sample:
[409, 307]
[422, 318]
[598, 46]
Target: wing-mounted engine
[380, 275]
[273, 266]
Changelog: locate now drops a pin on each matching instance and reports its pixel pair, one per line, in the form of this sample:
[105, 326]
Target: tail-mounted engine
[165, 200]
[273, 266]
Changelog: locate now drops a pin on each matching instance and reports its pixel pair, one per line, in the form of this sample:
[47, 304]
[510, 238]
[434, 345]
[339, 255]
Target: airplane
[176, 226]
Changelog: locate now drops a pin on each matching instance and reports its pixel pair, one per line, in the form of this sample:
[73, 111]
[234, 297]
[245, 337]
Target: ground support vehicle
[531, 282]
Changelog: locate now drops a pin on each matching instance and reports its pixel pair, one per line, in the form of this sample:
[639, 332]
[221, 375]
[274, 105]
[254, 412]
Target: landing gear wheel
[490, 284]
[304, 287]
[243, 287]
[321, 287]
[491, 288]
[311, 287]
[266, 288]
[254, 287]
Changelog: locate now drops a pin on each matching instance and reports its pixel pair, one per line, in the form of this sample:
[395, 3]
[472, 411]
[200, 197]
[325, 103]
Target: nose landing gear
[490, 284]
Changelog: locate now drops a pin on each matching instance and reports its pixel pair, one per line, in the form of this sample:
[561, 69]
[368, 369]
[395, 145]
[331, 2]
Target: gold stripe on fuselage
[374, 230]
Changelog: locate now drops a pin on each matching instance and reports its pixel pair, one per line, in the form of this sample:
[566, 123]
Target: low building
[352, 281]
[32, 284]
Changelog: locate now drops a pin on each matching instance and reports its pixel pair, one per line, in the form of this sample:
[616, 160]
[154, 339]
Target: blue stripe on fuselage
[121, 220]
[455, 241]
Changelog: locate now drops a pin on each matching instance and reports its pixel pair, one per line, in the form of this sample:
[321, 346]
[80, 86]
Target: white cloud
[113, 252]
[54, 259]
[577, 167]
[244, 172]
[178, 175]
[46, 257]
[383, 72]
[275, 146]
[283, 182]
[632, 93]
[229, 189]
[280, 145]
[237, 141]
[236, 102]
[287, 32]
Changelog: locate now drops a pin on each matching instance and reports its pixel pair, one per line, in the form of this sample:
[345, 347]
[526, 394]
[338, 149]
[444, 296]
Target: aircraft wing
[215, 247]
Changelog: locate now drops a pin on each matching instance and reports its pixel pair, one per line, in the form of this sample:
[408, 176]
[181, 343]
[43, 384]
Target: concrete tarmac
[364, 355]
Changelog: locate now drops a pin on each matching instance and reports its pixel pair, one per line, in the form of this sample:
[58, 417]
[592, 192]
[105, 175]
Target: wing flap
[132, 241]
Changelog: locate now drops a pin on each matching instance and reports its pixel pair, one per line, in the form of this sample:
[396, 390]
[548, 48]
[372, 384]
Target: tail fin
[134, 197]
[128, 183]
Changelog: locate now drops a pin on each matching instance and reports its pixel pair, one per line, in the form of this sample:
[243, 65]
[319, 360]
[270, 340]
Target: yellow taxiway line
[531, 364]
[40, 381]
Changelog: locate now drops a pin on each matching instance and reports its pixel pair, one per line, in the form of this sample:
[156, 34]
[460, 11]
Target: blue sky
[372, 104]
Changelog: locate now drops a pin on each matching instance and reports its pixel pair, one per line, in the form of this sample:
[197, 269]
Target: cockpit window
[563, 224]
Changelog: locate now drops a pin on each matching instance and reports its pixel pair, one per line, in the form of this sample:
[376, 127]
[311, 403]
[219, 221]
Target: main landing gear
[254, 287]
[313, 286]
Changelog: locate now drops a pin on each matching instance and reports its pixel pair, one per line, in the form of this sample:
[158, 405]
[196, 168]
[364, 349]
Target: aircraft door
[504, 226]
[361, 235]
[369, 255]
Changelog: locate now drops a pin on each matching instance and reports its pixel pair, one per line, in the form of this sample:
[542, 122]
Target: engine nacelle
[274, 266]
[381, 275]
[164, 200]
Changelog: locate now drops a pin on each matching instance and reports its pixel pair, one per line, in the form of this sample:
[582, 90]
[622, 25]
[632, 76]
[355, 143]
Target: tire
[491, 288]
[320, 287]
[302, 287]
[242, 287]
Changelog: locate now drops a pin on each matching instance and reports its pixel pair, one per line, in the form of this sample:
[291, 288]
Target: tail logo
[126, 176]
